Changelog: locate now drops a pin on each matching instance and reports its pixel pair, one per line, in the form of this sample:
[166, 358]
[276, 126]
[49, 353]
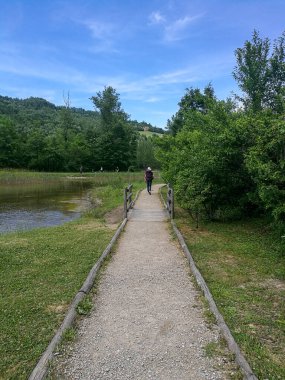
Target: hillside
[36, 134]
[40, 111]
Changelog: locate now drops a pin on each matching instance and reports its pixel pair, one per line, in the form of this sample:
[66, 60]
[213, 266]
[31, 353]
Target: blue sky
[150, 51]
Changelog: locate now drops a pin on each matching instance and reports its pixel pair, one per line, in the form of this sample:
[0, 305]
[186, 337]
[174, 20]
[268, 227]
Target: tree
[193, 100]
[260, 76]
[276, 90]
[265, 161]
[66, 119]
[145, 152]
[117, 141]
[109, 106]
[8, 143]
[205, 161]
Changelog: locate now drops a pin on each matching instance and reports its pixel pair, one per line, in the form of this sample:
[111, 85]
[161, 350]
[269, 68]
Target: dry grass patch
[114, 217]
[91, 225]
[57, 308]
[273, 283]
[16, 242]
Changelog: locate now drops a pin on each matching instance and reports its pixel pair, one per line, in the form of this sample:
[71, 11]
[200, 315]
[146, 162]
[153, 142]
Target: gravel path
[147, 322]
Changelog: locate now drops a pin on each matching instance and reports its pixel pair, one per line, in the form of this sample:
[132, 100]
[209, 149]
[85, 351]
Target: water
[24, 207]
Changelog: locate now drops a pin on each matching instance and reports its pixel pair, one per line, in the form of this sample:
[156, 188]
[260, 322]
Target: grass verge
[42, 270]
[243, 267]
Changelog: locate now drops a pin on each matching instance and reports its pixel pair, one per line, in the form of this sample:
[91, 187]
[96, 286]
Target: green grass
[245, 271]
[42, 270]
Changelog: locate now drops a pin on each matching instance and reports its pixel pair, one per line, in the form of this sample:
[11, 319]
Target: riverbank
[42, 269]
[245, 271]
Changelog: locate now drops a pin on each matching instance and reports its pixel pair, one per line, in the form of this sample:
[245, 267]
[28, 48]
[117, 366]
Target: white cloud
[152, 99]
[177, 30]
[99, 30]
[157, 18]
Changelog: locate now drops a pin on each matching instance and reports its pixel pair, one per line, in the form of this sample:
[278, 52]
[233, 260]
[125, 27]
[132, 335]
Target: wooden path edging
[233, 346]
[40, 370]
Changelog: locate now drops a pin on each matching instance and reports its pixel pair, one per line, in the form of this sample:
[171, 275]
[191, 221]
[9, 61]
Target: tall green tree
[205, 161]
[193, 100]
[9, 141]
[108, 104]
[116, 145]
[260, 73]
[145, 152]
[265, 161]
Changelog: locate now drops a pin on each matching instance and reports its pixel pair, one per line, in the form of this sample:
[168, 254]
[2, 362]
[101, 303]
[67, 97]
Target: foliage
[37, 135]
[204, 161]
[109, 106]
[193, 100]
[142, 126]
[266, 163]
[260, 76]
[145, 152]
[225, 162]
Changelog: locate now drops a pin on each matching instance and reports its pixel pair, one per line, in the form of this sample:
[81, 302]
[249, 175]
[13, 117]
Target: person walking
[148, 177]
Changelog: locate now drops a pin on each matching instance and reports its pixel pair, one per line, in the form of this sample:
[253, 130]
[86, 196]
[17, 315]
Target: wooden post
[172, 204]
[128, 203]
[125, 202]
[170, 201]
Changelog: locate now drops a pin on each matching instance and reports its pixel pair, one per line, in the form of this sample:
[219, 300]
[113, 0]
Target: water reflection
[42, 204]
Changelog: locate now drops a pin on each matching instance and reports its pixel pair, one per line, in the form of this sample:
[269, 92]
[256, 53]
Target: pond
[50, 203]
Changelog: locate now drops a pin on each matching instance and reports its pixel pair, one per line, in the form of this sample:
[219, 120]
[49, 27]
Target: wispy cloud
[152, 99]
[99, 30]
[173, 29]
[177, 30]
[157, 18]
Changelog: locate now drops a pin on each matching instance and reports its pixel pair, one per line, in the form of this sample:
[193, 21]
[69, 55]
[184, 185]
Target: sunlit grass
[245, 271]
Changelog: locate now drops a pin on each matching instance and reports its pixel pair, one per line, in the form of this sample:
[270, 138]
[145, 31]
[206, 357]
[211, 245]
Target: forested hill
[38, 110]
[39, 135]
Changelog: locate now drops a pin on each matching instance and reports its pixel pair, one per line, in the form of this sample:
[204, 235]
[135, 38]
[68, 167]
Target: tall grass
[101, 179]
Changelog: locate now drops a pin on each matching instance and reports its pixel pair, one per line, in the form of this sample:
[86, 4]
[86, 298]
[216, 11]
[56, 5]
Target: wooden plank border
[41, 368]
[233, 346]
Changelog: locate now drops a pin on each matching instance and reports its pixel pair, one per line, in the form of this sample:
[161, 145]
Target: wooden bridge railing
[128, 202]
[170, 201]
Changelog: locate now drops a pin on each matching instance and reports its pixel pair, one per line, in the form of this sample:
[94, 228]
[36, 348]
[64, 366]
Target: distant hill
[149, 133]
[40, 111]
[144, 126]
[36, 134]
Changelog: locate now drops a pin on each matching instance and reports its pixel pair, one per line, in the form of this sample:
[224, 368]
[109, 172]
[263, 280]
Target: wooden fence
[170, 201]
[128, 202]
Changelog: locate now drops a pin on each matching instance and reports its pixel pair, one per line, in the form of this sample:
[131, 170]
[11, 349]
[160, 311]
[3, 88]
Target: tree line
[226, 158]
[35, 134]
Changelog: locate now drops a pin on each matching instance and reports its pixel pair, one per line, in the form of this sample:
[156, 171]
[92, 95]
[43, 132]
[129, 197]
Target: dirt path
[147, 322]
